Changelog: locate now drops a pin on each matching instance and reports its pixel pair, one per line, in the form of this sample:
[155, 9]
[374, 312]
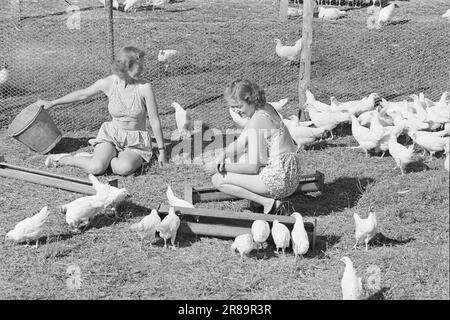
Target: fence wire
[53, 47]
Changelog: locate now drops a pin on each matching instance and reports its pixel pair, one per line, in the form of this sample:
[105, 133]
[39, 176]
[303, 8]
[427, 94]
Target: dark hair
[125, 59]
[239, 91]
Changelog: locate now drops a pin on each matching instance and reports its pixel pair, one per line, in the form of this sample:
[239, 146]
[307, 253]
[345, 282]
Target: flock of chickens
[80, 212]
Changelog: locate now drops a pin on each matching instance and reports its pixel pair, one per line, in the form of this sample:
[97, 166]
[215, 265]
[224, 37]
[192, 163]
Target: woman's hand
[162, 157]
[46, 104]
[211, 167]
[220, 157]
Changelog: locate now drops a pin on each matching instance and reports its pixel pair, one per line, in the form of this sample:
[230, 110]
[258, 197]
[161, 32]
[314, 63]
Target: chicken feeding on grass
[281, 236]
[383, 18]
[184, 122]
[429, 142]
[168, 227]
[176, 202]
[299, 237]
[365, 229]
[402, 155]
[331, 13]
[29, 229]
[358, 288]
[244, 244]
[289, 52]
[80, 212]
[146, 228]
[260, 232]
[167, 57]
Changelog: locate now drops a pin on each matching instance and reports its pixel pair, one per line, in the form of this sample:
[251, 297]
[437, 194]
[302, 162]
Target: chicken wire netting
[54, 47]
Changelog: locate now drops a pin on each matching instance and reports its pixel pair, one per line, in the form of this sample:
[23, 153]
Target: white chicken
[244, 244]
[176, 202]
[327, 120]
[355, 107]
[446, 15]
[447, 151]
[365, 229]
[29, 229]
[278, 105]
[115, 3]
[317, 105]
[110, 195]
[260, 232]
[281, 236]
[184, 121]
[358, 288]
[167, 56]
[129, 5]
[351, 284]
[402, 155]
[386, 13]
[289, 52]
[240, 121]
[331, 13]
[168, 227]
[159, 4]
[146, 228]
[299, 237]
[366, 138]
[303, 135]
[429, 142]
[81, 211]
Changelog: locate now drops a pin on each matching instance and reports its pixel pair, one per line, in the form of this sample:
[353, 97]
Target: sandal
[52, 160]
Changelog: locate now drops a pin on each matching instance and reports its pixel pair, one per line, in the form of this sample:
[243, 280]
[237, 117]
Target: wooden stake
[305, 58]
[109, 18]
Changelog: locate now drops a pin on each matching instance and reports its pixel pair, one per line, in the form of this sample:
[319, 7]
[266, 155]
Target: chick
[281, 236]
[244, 244]
[168, 227]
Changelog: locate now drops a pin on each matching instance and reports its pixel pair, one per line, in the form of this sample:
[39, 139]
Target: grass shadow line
[381, 240]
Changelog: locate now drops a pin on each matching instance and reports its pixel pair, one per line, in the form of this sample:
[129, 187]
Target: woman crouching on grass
[265, 130]
[123, 143]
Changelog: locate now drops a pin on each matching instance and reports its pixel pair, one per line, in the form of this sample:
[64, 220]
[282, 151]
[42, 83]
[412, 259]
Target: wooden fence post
[109, 18]
[305, 58]
[284, 9]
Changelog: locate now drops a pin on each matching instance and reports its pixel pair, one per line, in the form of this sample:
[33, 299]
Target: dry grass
[412, 253]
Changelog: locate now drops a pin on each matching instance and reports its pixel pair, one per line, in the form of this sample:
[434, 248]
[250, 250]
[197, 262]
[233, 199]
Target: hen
[280, 235]
[168, 227]
[244, 244]
[365, 229]
[260, 232]
[288, 52]
[29, 229]
[299, 237]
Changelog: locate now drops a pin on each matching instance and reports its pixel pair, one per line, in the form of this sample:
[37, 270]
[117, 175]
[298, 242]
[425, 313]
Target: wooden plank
[234, 216]
[212, 230]
[47, 181]
[188, 193]
[5, 165]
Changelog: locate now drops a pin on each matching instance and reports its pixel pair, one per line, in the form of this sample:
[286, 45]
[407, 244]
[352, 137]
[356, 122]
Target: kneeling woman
[264, 184]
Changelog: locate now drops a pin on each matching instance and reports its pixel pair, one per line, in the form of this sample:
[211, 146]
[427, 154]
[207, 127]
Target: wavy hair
[239, 91]
[125, 59]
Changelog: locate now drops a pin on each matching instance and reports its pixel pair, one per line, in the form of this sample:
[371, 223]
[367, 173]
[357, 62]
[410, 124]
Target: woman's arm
[78, 95]
[153, 117]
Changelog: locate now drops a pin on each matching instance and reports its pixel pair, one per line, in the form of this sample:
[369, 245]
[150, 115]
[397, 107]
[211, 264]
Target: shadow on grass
[341, 194]
[68, 144]
[381, 240]
[324, 144]
[394, 23]
[323, 243]
[379, 295]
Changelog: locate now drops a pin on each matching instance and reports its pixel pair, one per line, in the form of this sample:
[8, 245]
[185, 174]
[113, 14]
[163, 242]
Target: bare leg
[244, 186]
[97, 164]
[126, 163]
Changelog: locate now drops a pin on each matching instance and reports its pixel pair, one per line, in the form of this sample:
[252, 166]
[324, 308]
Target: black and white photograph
[225, 155]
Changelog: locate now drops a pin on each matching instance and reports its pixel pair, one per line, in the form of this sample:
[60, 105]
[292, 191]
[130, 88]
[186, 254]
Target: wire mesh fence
[54, 47]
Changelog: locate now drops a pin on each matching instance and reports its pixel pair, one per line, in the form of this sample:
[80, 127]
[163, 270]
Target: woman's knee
[122, 168]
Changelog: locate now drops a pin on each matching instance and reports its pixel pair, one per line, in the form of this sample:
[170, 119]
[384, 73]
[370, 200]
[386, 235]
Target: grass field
[412, 250]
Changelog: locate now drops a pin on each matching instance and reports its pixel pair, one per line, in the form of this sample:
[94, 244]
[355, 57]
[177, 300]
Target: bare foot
[273, 207]
[53, 159]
